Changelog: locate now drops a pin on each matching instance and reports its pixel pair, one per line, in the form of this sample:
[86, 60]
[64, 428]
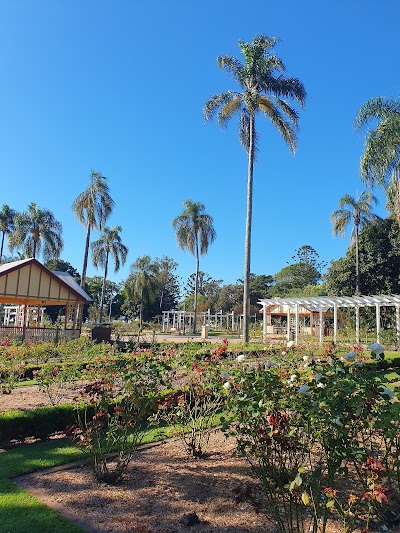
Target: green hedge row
[38, 423]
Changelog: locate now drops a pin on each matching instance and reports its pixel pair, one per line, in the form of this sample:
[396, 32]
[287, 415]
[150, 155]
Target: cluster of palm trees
[263, 90]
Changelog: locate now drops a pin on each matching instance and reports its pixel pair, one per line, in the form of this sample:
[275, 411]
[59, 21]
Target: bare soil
[162, 486]
[29, 396]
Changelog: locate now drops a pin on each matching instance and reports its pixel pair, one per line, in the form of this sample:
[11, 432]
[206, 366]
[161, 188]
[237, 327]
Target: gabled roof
[29, 282]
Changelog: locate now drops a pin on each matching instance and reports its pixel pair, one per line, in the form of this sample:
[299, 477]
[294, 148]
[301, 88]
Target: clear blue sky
[119, 86]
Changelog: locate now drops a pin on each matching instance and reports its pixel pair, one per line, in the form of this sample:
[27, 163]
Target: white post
[321, 327]
[335, 324]
[233, 321]
[288, 324]
[357, 309]
[264, 323]
[398, 324]
[296, 335]
[378, 321]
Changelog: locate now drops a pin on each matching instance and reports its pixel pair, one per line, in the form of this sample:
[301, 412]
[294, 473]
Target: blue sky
[119, 87]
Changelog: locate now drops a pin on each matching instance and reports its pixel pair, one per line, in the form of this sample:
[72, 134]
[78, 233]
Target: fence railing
[14, 333]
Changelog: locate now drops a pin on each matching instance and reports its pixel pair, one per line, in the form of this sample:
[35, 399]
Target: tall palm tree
[92, 208]
[7, 216]
[194, 232]
[109, 244]
[360, 212]
[264, 89]
[380, 162]
[141, 283]
[37, 231]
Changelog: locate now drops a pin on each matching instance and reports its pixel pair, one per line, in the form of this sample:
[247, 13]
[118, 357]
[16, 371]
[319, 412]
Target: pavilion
[322, 304]
[31, 286]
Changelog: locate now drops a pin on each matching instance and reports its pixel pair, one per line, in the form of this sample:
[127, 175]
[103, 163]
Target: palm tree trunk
[357, 265]
[397, 198]
[103, 289]
[141, 310]
[85, 257]
[196, 284]
[247, 245]
[2, 245]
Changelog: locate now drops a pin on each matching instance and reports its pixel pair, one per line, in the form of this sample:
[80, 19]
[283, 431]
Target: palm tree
[360, 213]
[142, 283]
[194, 232]
[37, 230]
[7, 216]
[108, 244]
[380, 162]
[92, 208]
[264, 89]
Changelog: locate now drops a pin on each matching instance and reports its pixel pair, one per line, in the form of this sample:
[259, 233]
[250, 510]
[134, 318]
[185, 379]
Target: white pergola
[323, 303]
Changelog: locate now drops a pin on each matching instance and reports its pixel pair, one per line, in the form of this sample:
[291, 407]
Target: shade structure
[323, 303]
[28, 282]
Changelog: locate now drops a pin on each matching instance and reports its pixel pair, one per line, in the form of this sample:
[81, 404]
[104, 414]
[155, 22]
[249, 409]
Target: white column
[288, 324]
[398, 324]
[335, 324]
[321, 327]
[378, 321]
[163, 321]
[296, 335]
[357, 310]
[264, 322]
[233, 321]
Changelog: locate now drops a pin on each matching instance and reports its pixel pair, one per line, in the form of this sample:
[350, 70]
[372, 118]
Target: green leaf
[305, 498]
[330, 503]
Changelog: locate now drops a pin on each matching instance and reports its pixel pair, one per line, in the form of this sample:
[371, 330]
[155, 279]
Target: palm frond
[284, 127]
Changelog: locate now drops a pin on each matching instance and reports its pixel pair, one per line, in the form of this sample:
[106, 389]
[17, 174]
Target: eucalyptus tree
[37, 231]
[263, 89]
[380, 162]
[108, 244]
[92, 208]
[194, 232]
[7, 216]
[359, 211]
[142, 283]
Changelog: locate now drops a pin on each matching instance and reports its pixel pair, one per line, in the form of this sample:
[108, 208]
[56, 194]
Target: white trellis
[323, 303]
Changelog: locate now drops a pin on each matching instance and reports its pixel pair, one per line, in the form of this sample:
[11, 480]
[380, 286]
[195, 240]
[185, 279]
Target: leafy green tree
[379, 249]
[265, 89]
[307, 255]
[360, 213]
[296, 277]
[380, 162]
[141, 284]
[63, 266]
[194, 232]
[230, 298]
[92, 208]
[36, 231]
[109, 244]
[168, 289]
[7, 216]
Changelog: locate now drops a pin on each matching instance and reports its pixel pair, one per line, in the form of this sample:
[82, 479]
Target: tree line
[263, 89]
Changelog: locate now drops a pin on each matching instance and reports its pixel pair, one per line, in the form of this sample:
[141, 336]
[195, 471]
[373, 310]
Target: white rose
[293, 377]
[304, 389]
[350, 356]
[240, 358]
[388, 392]
[321, 385]
[290, 344]
[227, 385]
[305, 357]
[283, 353]
[375, 348]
